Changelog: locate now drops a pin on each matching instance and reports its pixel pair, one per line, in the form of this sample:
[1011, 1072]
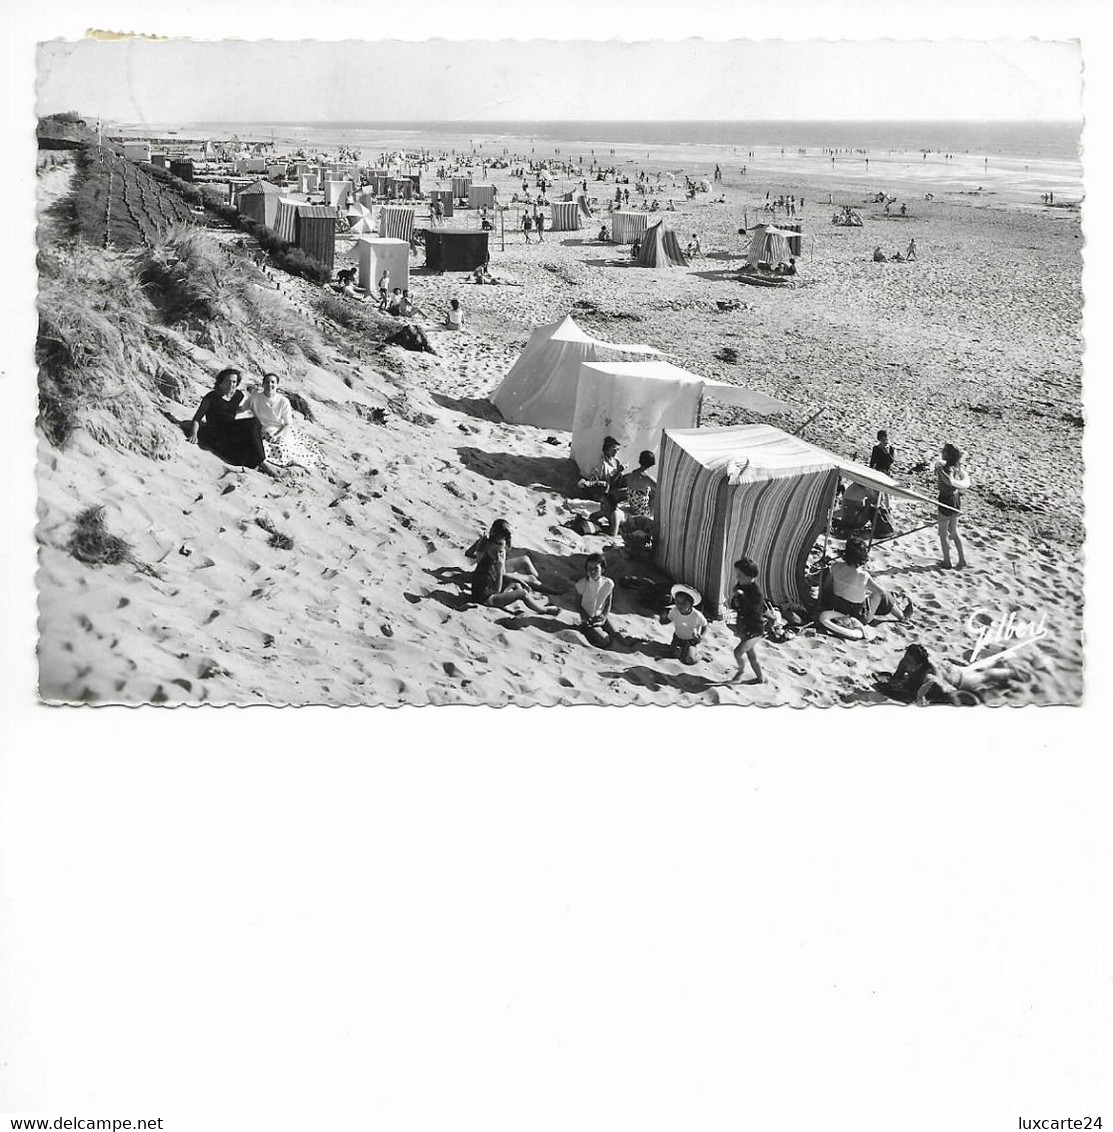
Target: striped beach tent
[540, 388]
[481, 196]
[460, 186]
[660, 248]
[749, 490]
[636, 401]
[315, 228]
[396, 221]
[626, 227]
[566, 216]
[769, 245]
[286, 218]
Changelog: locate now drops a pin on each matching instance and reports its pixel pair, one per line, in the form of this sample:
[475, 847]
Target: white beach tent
[540, 388]
[336, 193]
[374, 254]
[635, 401]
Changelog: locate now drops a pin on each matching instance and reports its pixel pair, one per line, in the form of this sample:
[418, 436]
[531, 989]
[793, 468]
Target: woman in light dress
[284, 442]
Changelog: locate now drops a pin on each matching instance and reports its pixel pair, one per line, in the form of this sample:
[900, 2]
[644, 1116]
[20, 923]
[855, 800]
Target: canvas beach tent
[540, 388]
[336, 193]
[460, 187]
[397, 221]
[481, 196]
[770, 245]
[636, 401]
[566, 216]
[445, 198]
[578, 198]
[626, 227]
[660, 248]
[315, 232]
[455, 249]
[375, 255]
[286, 218]
[748, 490]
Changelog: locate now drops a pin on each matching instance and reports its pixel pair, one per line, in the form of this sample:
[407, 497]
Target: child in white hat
[688, 624]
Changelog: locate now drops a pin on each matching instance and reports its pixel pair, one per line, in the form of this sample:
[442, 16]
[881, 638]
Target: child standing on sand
[688, 624]
[595, 591]
[953, 481]
[748, 602]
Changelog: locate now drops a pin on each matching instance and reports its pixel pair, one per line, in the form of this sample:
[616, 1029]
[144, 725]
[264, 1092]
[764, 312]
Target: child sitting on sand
[688, 623]
[748, 602]
[518, 568]
[455, 317]
[491, 586]
[595, 591]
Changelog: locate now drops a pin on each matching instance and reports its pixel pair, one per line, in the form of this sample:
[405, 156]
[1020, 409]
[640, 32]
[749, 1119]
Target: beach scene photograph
[596, 390]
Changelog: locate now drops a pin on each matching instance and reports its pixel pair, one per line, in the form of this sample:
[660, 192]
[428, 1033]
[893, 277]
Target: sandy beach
[977, 342]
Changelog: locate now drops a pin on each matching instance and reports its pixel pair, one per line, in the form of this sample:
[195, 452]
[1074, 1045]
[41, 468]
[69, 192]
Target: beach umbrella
[360, 220]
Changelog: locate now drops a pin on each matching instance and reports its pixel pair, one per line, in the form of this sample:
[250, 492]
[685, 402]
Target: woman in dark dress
[218, 426]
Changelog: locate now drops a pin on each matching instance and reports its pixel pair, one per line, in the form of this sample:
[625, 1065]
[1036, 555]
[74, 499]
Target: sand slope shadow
[548, 473]
[478, 407]
[642, 676]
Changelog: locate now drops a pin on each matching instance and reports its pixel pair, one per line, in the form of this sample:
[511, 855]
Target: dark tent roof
[261, 187]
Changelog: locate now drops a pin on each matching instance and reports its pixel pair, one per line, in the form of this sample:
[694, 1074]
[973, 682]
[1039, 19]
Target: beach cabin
[566, 216]
[379, 182]
[454, 249]
[137, 150]
[276, 171]
[182, 168]
[481, 196]
[243, 165]
[375, 254]
[399, 188]
[460, 187]
[315, 232]
[308, 183]
[397, 221]
[445, 197]
[540, 388]
[748, 490]
[626, 227]
[260, 202]
[162, 160]
[636, 401]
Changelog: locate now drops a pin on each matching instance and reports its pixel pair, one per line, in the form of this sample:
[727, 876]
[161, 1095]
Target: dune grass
[92, 543]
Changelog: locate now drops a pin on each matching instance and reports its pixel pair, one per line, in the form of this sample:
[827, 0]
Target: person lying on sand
[921, 680]
[688, 624]
[490, 585]
[848, 588]
[595, 592]
[224, 425]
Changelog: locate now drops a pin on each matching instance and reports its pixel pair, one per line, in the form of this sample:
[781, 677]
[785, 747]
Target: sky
[139, 80]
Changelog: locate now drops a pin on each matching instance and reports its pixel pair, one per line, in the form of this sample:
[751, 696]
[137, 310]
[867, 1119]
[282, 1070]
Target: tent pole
[797, 431]
[827, 536]
[873, 525]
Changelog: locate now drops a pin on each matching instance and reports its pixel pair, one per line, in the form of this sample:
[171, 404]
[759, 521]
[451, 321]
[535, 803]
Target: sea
[1020, 160]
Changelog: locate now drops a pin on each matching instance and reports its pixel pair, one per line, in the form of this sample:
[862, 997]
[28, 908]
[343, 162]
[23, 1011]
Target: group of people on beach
[909, 255]
[504, 581]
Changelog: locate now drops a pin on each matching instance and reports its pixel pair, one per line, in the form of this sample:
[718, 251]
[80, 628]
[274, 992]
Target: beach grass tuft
[92, 542]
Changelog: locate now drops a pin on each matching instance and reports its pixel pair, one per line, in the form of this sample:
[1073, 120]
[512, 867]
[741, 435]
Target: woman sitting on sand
[455, 317]
[848, 588]
[284, 443]
[223, 425]
[491, 586]
[952, 480]
[518, 568]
